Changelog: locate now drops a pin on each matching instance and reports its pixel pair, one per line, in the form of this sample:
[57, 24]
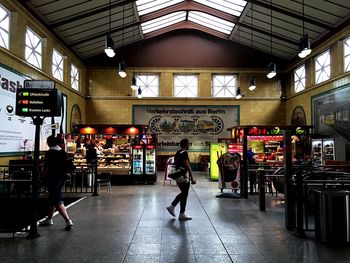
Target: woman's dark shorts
[55, 193]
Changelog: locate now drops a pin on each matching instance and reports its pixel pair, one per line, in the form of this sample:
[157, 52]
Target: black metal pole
[261, 174]
[94, 169]
[33, 232]
[299, 229]
[244, 177]
[288, 189]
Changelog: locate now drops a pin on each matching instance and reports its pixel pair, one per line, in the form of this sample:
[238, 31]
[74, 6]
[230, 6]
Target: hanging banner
[200, 124]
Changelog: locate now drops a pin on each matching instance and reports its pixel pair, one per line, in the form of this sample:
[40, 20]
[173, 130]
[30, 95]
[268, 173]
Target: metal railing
[16, 180]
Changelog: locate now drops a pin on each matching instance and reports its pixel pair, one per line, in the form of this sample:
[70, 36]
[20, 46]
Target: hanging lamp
[304, 42]
[139, 93]
[271, 68]
[109, 43]
[133, 83]
[122, 65]
[251, 81]
[122, 68]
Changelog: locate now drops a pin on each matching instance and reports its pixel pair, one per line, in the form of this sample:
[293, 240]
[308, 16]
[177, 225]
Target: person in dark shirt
[91, 154]
[183, 182]
[55, 169]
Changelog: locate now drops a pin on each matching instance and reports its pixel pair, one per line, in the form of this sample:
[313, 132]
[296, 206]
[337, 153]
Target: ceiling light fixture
[122, 65]
[122, 68]
[109, 44]
[251, 81]
[271, 68]
[304, 42]
[133, 79]
[238, 93]
[139, 93]
[133, 83]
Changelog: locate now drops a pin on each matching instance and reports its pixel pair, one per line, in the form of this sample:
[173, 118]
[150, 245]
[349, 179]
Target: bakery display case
[114, 145]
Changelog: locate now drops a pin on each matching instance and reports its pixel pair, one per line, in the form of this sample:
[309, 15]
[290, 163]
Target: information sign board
[38, 102]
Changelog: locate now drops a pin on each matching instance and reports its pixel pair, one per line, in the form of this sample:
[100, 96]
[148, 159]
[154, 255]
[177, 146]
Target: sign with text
[200, 124]
[37, 102]
[17, 132]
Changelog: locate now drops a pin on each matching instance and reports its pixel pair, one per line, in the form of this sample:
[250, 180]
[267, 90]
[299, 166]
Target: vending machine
[322, 150]
[150, 163]
[137, 160]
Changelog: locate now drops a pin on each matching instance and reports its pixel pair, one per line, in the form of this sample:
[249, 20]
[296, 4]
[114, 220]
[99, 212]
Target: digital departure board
[38, 102]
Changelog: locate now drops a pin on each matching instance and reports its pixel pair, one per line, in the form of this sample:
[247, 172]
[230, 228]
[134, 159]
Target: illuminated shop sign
[274, 131]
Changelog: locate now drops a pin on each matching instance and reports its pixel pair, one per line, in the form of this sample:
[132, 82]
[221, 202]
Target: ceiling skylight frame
[232, 7]
[163, 21]
[211, 21]
[148, 6]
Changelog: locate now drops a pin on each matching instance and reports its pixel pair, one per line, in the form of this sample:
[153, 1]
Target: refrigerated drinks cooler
[137, 160]
[322, 149]
[144, 162]
[150, 163]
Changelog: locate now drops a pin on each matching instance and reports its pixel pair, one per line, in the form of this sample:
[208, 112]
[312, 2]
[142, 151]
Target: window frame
[57, 67]
[319, 77]
[232, 93]
[34, 52]
[73, 79]
[146, 85]
[346, 56]
[5, 43]
[176, 94]
[301, 79]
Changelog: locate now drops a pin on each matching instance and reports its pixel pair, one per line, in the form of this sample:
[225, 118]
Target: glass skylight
[232, 7]
[211, 21]
[148, 6]
[163, 21]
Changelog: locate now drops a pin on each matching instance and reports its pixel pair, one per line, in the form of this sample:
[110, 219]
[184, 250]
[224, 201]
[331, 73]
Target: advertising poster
[17, 133]
[331, 117]
[200, 124]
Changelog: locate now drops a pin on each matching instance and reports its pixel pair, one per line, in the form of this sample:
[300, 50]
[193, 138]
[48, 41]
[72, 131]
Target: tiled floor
[132, 225]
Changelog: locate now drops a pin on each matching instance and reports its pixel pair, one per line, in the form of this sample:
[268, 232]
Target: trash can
[332, 215]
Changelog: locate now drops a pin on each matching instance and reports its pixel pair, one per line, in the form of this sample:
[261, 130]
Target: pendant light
[304, 42]
[271, 68]
[109, 44]
[238, 93]
[122, 68]
[139, 93]
[122, 65]
[133, 79]
[251, 81]
[133, 83]
[238, 90]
